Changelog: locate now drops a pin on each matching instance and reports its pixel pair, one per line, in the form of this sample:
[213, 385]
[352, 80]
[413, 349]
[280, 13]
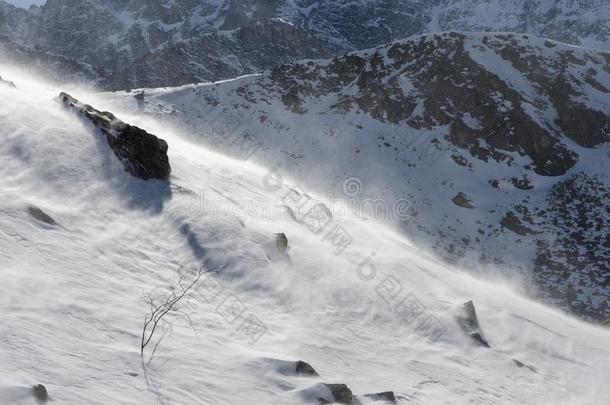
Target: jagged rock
[469, 323]
[303, 368]
[382, 396]
[40, 392]
[281, 241]
[142, 154]
[341, 393]
[40, 215]
[461, 200]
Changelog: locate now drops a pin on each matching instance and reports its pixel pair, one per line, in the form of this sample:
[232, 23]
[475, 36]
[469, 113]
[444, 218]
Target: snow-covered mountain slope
[171, 42]
[83, 244]
[497, 142]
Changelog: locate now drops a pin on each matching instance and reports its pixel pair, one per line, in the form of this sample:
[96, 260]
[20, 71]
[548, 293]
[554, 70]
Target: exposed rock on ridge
[142, 154]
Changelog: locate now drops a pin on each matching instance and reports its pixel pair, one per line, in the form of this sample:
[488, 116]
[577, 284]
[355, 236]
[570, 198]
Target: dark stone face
[144, 155]
[341, 393]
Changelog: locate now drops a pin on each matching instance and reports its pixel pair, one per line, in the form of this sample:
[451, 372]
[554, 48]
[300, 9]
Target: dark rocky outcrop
[522, 183]
[303, 368]
[461, 200]
[513, 223]
[281, 242]
[341, 393]
[40, 392]
[40, 215]
[142, 154]
[469, 323]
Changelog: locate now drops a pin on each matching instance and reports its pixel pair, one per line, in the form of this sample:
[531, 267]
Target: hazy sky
[25, 3]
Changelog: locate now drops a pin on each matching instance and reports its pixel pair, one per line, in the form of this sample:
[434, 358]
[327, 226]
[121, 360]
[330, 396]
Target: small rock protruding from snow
[461, 200]
[513, 223]
[469, 323]
[40, 215]
[303, 368]
[522, 364]
[40, 392]
[281, 241]
[341, 393]
[387, 396]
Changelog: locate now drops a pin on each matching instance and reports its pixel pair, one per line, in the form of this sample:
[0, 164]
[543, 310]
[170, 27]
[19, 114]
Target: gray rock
[303, 368]
[461, 200]
[341, 393]
[469, 323]
[40, 215]
[142, 154]
[40, 392]
[281, 241]
[513, 223]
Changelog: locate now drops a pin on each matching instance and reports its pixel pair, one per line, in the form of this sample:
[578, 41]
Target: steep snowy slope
[498, 144]
[375, 314]
[171, 42]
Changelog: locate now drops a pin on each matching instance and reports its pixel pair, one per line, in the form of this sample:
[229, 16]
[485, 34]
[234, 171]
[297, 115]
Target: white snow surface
[72, 296]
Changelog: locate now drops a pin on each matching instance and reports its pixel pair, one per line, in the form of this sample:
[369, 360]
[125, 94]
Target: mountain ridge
[162, 43]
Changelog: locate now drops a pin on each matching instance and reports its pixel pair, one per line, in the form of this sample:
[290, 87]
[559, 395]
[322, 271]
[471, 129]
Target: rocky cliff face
[499, 142]
[170, 42]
